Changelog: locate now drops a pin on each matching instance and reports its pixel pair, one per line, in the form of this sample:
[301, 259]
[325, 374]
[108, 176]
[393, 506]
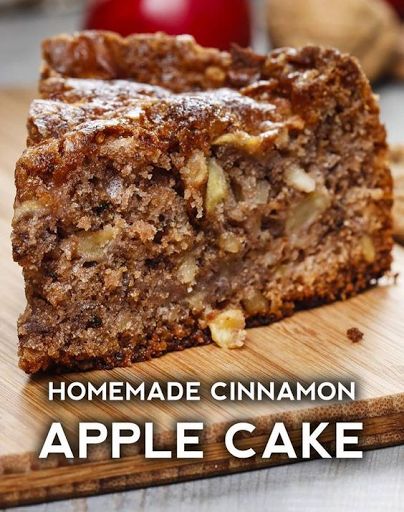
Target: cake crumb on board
[354, 334]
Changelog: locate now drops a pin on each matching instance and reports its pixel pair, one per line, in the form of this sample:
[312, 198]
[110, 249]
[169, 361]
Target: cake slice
[171, 195]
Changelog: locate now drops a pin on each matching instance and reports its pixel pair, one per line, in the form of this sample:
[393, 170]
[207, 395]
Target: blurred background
[370, 29]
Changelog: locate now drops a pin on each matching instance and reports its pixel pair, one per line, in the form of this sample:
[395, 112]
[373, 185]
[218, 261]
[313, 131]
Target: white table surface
[375, 483]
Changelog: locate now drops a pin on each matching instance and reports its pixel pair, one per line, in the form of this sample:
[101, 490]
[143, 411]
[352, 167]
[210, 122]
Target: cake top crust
[179, 64]
[76, 104]
[168, 93]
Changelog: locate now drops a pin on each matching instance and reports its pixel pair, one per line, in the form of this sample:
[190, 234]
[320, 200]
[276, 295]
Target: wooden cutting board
[312, 345]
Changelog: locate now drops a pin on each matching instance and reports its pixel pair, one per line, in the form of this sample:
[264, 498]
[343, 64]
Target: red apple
[398, 6]
[216, 23]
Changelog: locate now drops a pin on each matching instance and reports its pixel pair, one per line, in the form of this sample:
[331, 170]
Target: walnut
[29, 207]
[92, 246]
[249, 143]
[187, 270]
[216, 190]
[195, 172]
[368, 248]
[262, 193]
[124, 321]
[368, 29]
[197, 301]
[195, 175]
[397, 169]
[230, 242]
[227, 328]
[274, 134]
[298, 178]
[307, 211]
[255, 303]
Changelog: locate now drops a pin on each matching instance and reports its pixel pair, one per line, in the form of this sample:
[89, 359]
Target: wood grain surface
[312, 345]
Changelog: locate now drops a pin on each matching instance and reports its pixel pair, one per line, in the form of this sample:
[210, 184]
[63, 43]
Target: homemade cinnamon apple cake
[172, 194]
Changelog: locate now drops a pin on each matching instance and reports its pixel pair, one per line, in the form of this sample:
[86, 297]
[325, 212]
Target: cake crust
[127, 248]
